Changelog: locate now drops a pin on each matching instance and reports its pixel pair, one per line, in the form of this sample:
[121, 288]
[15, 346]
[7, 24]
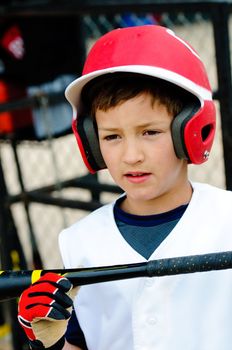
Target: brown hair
[109, 90]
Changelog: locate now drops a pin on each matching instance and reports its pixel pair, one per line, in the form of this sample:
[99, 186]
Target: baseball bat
[13, 283]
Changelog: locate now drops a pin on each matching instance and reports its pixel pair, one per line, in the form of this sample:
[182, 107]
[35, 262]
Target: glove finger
[54, 311]
[61, 286]
[56, 280]
[45, 304]
[57, 312]
[48, 296]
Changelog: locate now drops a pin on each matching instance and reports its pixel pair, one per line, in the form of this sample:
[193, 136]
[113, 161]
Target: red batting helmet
[157, 52]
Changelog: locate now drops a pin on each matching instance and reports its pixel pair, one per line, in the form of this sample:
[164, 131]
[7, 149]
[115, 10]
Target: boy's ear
[86, 131]
[178, 130]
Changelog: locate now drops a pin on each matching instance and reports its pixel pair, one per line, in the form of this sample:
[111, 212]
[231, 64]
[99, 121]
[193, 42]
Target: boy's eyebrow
[144, 125]
[108, 129]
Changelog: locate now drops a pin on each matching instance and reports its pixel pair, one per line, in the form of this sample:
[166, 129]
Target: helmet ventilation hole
[205, 132]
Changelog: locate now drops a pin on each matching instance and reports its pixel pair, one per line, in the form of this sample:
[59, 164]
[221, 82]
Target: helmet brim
[73, 91]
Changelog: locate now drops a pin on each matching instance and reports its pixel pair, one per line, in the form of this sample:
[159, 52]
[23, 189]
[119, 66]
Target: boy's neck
[160, 204]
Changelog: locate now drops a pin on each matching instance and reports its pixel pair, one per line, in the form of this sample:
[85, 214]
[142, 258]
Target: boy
[143, 109]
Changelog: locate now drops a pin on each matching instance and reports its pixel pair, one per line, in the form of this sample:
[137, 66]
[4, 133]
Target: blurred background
[44, 186]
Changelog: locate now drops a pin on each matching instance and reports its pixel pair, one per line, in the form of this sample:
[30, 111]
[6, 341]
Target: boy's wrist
[37, 345]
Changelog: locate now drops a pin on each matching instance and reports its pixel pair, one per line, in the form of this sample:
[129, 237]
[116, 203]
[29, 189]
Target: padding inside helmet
[178, 126]
[87, 132]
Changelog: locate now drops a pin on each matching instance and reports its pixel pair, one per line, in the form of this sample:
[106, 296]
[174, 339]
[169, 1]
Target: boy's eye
[111, 137]
[150, 132]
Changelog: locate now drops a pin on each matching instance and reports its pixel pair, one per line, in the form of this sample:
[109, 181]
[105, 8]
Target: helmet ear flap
[86, 133]
[178, 130]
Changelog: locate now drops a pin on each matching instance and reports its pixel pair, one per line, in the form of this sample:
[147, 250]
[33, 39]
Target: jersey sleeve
[74, 334]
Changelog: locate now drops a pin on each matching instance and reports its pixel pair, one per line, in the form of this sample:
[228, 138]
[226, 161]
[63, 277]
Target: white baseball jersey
[182, 312]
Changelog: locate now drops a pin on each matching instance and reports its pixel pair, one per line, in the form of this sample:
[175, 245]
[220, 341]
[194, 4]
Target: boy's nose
[132, 153]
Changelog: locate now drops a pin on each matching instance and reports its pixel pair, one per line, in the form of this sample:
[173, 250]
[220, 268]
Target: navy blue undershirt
[144, 234]
[74, 334]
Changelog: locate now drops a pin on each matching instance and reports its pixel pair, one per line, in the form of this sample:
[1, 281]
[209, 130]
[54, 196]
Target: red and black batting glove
[44, 310]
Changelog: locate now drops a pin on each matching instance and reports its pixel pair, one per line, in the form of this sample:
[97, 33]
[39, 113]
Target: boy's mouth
[137, 177]
[136, 173]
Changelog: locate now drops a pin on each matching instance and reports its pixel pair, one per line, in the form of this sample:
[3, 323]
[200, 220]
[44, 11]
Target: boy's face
[136, 144]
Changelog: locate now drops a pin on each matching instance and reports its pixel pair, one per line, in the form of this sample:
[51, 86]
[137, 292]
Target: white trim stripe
[73, 90]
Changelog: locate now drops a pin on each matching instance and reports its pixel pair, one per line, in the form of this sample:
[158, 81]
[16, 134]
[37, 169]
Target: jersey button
[152, 321]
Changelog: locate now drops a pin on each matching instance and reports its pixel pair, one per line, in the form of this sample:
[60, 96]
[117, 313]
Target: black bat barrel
[13, 283]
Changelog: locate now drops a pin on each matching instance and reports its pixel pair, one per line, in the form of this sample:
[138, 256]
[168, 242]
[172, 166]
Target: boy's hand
[44, 311]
